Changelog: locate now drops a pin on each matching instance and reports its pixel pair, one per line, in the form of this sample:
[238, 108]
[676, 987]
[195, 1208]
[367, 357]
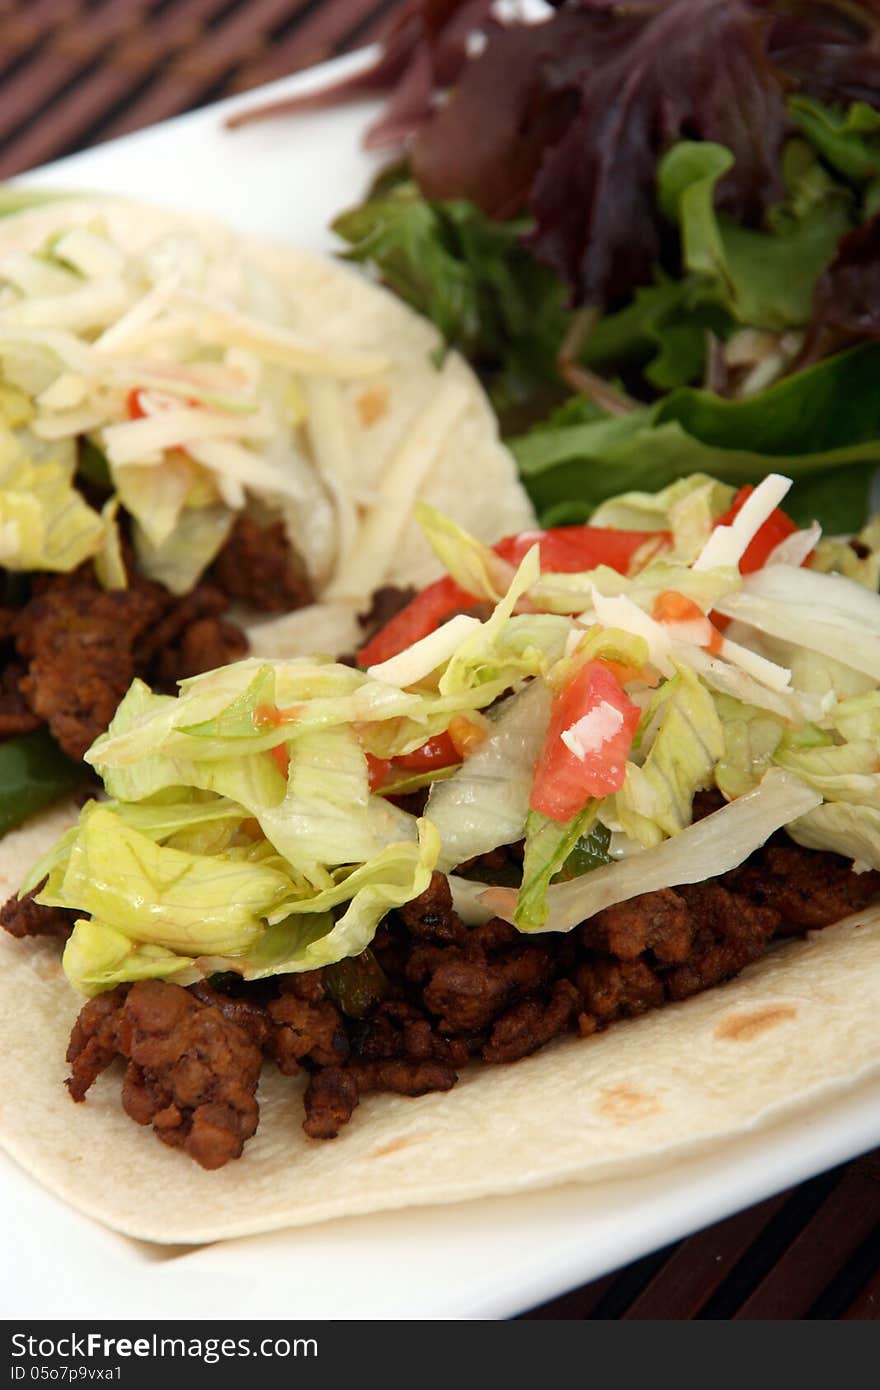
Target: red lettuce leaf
[846, 301]
[423, 50]
[637, 78]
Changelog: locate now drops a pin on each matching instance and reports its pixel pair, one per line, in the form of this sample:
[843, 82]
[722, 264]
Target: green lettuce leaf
[161, 913]
[661, 332]
[847, 139]
[327, 815]
[688, 508]
[575, 461]
[471, 564]
[550, 845]
[97, 957]
[858, 718]
[765, 279]
[484, 658]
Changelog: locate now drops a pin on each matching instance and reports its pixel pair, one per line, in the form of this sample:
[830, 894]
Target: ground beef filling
[192, 1073]
[74, 648]
[430, 996]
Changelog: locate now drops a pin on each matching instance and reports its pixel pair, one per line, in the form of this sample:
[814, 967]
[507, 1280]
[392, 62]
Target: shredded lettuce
[680, 739]
[45, 524]
[842, 772]
[549, 845]
[841, 828]
[192, 904]
[471, 564]
[705, 849]
[243, 832]
[688, 509]
[485, 804]
[185, 368]
[751, 737]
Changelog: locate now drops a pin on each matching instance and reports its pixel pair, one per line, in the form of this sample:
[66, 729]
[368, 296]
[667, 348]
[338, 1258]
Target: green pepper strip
[33, 773]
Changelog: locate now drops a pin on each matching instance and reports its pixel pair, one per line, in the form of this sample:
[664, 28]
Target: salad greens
[693, 266]
[33, 773]
[579, 457]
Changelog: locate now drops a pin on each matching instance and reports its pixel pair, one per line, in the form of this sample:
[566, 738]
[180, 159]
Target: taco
[200, 432]
[626, 767]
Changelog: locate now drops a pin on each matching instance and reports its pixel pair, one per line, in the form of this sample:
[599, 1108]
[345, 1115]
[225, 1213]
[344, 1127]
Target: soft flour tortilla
[795, 1028]
[468, 473]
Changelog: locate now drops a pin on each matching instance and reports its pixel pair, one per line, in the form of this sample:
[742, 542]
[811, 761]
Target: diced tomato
[563, 550]
[436, 752]
[422, 615]
[439, 751]
[601, 721]
[280, 757]
[134, 405]
[271, 717]
[672, 607]
[379, 771]
[775, 529]
[568, 549]
[466, 734]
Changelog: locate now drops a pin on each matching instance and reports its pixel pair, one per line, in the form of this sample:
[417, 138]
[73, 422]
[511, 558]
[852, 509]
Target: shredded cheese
[727, 544]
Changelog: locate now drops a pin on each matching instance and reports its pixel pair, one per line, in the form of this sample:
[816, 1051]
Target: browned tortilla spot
[623, 1103]
[745, 1027]
[372, 404]
[394, 1146]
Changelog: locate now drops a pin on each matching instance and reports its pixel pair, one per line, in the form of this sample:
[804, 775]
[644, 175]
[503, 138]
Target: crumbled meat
[450, 995]
[8, 616]
[385, 603]
[806, 889]
[611, 989]
[77, 640]
[468, 991]
[83, 645]
[24, 917]
[403, 1076]
[259, 567]
[730, 932]
[304, 1029]
[399, 1029]
[658, 922]
[192, 637]
[330, 1101]
[94, 1040]
[192, 1073]
[532, 1023]
[430, 916]
[16, 716]
[249, 1014]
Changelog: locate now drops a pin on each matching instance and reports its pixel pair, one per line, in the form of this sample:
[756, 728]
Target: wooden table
[76, 72]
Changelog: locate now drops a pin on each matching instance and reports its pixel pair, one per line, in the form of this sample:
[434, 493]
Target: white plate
[486, 1259]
